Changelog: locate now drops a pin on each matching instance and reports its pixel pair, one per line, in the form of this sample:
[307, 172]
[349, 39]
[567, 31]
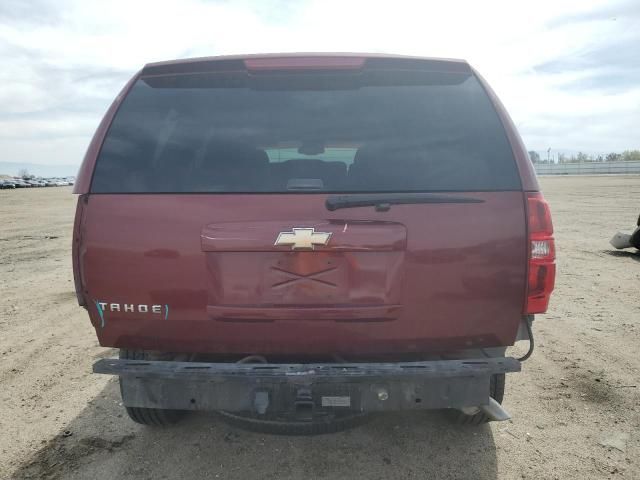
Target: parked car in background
[6, 184]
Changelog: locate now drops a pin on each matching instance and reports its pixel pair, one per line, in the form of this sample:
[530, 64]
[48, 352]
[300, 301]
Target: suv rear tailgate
[208, 165]
[415, 278]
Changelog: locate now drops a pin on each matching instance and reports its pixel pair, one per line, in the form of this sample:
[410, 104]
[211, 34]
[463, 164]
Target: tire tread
[155, 417]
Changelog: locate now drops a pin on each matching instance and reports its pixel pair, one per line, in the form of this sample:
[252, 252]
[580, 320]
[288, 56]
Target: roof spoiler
[304, 62]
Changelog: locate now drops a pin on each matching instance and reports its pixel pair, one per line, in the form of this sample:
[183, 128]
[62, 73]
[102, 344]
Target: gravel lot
[575, 406]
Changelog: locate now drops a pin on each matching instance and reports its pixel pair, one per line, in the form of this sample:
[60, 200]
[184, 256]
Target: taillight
[76, 247]
[542, 254]
[304, 63]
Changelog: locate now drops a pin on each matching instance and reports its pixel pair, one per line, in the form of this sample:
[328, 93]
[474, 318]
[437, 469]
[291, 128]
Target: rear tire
[157, 417]
[496, 391]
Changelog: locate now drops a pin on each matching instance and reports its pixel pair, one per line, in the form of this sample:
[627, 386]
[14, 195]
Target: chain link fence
[588, 168]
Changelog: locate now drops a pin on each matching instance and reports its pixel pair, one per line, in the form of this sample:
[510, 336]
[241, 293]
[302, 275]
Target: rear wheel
[158, 417]
[496, 391]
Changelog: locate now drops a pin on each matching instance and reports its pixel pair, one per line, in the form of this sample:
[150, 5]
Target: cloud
[34, 12]
[609, 62]
[565, 70]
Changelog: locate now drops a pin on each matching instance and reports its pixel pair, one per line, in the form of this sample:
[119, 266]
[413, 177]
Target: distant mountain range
[13, 168]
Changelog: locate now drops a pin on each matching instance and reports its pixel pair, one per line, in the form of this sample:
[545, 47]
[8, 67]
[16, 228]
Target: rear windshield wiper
[383, 201]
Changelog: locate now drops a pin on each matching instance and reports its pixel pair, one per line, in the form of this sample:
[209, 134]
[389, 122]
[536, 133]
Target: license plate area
[306, 278]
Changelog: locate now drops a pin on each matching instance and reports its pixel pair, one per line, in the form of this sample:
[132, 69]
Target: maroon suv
[297, 240]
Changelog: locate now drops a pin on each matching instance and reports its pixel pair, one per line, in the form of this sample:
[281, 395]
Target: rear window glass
[220, 134]
[344, 155]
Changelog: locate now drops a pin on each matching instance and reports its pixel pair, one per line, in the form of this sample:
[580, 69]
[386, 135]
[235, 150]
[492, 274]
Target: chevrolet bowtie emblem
[303, 238]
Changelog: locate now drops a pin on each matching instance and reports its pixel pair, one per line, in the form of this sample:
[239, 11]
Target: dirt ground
[575, 406]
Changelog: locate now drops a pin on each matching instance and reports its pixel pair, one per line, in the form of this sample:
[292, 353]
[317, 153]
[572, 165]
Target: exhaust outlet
[495, 411]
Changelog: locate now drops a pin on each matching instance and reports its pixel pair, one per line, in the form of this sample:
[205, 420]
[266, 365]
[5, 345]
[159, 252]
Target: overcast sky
[567, 71]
